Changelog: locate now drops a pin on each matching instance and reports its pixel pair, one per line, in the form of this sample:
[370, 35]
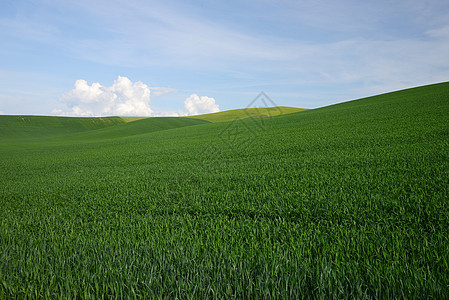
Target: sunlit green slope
[236, 114]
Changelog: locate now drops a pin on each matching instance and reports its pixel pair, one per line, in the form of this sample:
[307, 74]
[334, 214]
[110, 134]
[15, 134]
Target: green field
[26, 127]
[345, 201]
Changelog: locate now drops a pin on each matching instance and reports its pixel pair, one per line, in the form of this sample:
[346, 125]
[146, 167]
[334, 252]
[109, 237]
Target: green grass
[346, 201]
[136, 127]
[132, 119]
[237, 114]
[25, 127]
[16, 129]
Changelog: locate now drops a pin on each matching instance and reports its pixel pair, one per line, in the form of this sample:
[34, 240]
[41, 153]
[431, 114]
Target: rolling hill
[32, 127]
[236, 114]
[25, 127]
[136, 127]
[344, 201]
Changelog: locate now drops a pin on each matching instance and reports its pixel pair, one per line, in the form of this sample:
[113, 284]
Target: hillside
[344, 201]
[25, 127]
[236, 114]
[32, 128]
[29, 127]
[136, 127]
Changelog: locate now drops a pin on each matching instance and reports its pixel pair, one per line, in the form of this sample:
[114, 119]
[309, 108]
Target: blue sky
[182, 57]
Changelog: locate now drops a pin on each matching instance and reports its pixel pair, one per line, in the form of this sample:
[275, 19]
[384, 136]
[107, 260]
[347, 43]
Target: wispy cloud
[152, 34]
[160, 91]
[319, 48]
[29, 30]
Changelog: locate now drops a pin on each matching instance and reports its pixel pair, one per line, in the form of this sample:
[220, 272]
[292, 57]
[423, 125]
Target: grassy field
[26, 127]
[345, 201]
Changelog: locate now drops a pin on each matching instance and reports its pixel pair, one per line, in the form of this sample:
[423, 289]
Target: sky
[176, 58]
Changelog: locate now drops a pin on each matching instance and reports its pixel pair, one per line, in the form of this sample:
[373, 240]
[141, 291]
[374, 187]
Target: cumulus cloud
[195, 105]
[123, 98]
[126, 98]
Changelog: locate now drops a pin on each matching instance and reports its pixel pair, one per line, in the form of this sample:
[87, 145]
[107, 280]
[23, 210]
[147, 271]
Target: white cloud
[160, 91]
[123, 98]
[195, 105]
